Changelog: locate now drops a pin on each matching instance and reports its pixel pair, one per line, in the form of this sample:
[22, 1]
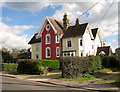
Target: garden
[71, 68]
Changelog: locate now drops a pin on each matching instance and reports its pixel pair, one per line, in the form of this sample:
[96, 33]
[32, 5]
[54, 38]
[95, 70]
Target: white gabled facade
[87, 43]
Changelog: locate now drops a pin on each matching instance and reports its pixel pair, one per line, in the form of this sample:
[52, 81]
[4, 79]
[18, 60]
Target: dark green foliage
[74, 66]
[7, 58]
[9, 67]
[95, 62]
[111, 61]
[52, 64]
[28, 66]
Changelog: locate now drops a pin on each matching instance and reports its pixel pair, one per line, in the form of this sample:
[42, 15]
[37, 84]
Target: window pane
[69, 44]
[81, 42]
[48, 39]
[48, 52]
[57, 51]
[57, 38]
[37, 47]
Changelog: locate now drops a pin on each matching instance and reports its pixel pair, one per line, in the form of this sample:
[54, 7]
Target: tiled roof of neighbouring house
[105, 49]
[73, 31]
[94, 32]
[58, 25]
[34, 40]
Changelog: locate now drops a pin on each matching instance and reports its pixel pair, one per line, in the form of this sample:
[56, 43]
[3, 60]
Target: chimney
[77, 21]
[65, 21]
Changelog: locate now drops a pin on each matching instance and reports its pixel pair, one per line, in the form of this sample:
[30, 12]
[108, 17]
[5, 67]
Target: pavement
[72, 84]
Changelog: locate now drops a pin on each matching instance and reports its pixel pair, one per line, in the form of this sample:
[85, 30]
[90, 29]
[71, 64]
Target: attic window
[47, 27]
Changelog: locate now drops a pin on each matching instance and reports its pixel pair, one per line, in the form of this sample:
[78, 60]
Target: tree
[6, 55]
[117, 51]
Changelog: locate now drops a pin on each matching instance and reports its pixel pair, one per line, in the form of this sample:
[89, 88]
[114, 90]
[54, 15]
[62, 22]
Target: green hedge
[53, 64]
[9, 67]
[95, 62]
[29, 66]
[111, 61]
[74, 66]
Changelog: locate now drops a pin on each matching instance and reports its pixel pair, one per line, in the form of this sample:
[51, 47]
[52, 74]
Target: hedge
[111, 61]
[95, 62]
[53, 64]
[9, 67]
[75, 66]
[29, 66]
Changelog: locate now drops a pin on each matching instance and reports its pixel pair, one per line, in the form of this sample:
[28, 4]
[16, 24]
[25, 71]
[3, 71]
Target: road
[19, 84]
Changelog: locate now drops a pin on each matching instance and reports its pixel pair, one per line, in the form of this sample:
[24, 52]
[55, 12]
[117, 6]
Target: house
[105, 51]
[56, 39]
[46, 44]
[97, 41]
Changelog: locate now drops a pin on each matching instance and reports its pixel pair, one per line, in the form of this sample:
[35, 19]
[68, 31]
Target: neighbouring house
[104, 51]
[56, 39]
[46, 44]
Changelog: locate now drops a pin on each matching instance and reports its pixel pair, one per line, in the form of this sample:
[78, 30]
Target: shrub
[74, 66]
[9, 67]
[95, 63]
[111, 61]
[51, 64]
[29, 66]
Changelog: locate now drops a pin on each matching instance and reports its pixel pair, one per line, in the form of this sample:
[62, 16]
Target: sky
[21, 19]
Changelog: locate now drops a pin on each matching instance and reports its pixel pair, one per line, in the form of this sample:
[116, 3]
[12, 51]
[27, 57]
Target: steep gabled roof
[58, 25]
[106, 49]
[73, 31]
[34, 40]
[94, 32]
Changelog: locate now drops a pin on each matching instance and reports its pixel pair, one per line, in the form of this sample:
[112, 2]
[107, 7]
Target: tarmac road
[19, 84]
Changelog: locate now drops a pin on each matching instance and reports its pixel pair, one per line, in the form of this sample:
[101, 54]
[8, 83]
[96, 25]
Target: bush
[74, 66]
[95, 62]
[9, 67]
[29, 66]
[51, 64]
[111, 61]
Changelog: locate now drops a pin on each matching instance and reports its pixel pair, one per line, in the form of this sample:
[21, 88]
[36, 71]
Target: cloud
[9, 36]
[114, 45]
[28, 6]
[108, 26]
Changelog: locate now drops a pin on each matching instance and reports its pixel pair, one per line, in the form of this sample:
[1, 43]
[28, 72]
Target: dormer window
[47, 27]
[48, 39]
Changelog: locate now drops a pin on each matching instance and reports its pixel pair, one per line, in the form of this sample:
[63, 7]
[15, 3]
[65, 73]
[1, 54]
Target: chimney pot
[77, 21]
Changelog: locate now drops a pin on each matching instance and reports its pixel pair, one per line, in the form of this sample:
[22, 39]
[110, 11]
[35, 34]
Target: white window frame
[57, 38]
[70, 39]
[47, 28]
[36, 47]
[46, 38]
[46, 52]
[57, 52]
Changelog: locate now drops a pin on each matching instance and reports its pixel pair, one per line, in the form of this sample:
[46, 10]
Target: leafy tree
[6, 55]
[117, 51]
